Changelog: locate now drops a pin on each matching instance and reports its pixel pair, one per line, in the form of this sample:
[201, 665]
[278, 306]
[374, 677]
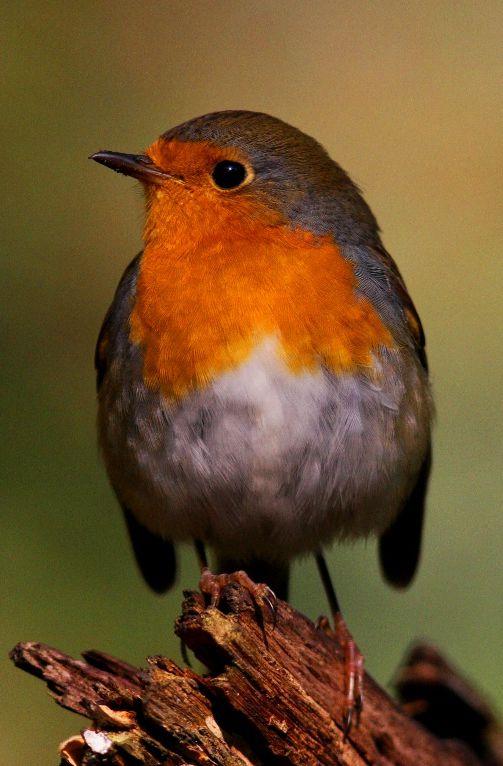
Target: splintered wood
[273, 696]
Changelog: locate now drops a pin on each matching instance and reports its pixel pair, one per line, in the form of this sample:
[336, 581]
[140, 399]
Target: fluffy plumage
[262, 376]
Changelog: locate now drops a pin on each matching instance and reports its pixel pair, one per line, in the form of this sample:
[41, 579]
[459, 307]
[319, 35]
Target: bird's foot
[263, 597]
[323, 624]
[354, 670]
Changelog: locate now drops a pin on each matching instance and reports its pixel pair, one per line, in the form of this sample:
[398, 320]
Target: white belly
[265, 462]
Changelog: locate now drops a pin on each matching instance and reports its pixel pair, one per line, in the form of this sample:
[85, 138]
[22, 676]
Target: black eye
[229, 174]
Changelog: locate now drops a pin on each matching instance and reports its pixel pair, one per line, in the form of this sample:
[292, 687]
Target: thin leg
[353, 658]
[203, 564]
[327, 584]
[201, 554]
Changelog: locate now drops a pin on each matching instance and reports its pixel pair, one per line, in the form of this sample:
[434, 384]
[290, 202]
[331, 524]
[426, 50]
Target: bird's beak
[138, 166]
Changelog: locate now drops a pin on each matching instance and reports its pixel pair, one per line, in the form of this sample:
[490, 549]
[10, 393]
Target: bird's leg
[203, 564]
[353, 658]
[212, 584]
[201, 554]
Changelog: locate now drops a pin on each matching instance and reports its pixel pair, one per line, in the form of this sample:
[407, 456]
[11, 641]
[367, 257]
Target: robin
[262, 378]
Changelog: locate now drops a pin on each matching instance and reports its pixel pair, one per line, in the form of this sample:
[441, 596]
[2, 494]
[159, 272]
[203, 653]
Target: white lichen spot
[96, 741]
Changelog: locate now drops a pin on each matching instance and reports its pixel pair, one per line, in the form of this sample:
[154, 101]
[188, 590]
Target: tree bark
[273, 696]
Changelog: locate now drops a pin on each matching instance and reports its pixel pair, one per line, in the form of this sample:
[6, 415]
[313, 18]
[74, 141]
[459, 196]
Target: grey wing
[155, 556]
[115, 319]
[400, 544]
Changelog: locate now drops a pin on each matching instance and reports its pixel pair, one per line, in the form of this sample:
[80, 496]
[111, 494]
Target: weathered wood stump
[272, 696]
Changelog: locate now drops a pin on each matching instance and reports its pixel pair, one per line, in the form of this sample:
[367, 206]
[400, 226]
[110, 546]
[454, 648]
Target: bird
[263, 386]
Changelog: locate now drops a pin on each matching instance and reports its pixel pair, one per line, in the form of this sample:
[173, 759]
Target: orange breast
[205, 299]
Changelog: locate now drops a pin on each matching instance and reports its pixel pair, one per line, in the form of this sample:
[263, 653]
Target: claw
[272, 596]
[358, 713]
[323, 624]
[359, 674]
[212, 585]
[270, 599]
[347, 720]
[272, 609]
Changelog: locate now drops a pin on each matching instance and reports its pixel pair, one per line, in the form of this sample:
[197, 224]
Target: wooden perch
[272, 697]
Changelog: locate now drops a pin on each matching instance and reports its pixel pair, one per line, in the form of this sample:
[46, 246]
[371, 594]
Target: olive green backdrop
[406, 98]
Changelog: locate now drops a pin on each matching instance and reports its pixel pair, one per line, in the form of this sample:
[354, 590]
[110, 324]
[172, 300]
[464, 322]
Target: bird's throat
[202, 306]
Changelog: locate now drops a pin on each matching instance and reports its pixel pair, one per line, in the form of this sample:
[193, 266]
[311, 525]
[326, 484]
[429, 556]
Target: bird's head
[240, 169]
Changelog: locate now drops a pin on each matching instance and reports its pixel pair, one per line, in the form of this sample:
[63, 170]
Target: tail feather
[155, 556]
[400, 545]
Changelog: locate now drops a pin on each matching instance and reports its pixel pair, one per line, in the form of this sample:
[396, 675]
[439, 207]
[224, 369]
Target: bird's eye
[229, 174]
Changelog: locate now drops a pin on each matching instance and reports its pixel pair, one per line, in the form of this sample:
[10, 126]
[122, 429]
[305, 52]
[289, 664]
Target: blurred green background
[406, 98]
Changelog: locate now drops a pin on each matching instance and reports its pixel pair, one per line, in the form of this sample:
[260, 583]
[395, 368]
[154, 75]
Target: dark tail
[155, 557]
[400, 545]
[275, 575]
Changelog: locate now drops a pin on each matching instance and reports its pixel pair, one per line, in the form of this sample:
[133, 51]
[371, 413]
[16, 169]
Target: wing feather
[400, 545]
[155, 556]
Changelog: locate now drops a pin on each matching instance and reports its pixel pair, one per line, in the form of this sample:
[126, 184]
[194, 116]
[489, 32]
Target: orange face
[222, 271]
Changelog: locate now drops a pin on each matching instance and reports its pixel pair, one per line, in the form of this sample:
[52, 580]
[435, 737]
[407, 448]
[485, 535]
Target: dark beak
[138, 166]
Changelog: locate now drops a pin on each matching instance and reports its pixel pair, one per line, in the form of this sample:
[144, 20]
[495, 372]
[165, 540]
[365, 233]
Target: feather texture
[262, 376]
